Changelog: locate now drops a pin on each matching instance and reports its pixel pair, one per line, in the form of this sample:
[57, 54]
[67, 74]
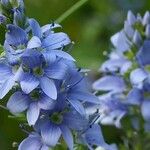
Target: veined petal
[35, 42]
[5, 72]
[78, 106]
[56, 70]
[30, 143]
[12, 55]
[46, 103]
[94, 136]
[84, 96]
[75, 121]
[50, 134]
[63, 54]
[49, 57]
[33, 113]
[28, 82]
[67, 135]
[6, 87]
[48, 87]
[36, 29]
[44, 147]
[18, 103]
[56, 41]
[32, 58]
[16, 36]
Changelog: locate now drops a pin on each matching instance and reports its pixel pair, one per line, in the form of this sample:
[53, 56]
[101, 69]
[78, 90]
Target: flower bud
[137, 38]
[131, 18]
[147, 31]
[146, 18]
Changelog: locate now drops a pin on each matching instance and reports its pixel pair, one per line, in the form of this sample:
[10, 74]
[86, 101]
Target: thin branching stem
[70, 11]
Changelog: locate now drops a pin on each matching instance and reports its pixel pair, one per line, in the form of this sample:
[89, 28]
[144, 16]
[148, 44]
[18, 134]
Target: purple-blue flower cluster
[125, 83]
[46, 86]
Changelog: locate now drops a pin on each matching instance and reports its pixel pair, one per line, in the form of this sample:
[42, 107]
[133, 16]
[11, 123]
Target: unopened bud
[131, 18]
[146, 18]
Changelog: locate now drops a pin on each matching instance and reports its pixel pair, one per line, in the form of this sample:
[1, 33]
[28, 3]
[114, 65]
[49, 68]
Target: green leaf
[2, 34]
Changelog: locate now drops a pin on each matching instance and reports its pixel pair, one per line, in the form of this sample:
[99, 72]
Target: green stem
[70, 11]
[3, 107]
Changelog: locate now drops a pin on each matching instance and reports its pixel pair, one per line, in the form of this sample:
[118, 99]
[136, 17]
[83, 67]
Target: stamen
[23, 128]
[91, 124]
[71, 86]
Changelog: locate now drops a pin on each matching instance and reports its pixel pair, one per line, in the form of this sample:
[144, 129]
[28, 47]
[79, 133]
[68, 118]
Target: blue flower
[93, 137]
[32, 104]
[60, 121]
[49, 89]
[110, 83]
[116, 63]
[51, 43]
[75, 91]
[33, 141]
[42, 75]
[125, 80]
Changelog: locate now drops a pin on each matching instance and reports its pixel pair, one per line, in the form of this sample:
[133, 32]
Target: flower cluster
[125, 84]
[46, 85]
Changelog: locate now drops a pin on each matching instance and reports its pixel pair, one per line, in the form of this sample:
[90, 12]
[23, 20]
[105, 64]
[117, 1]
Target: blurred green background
[90, 28]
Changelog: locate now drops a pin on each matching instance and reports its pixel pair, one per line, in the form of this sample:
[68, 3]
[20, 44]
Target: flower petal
[49, 57]
[135, 96]
[34, 42]
[33, 113]
[48, 27]
[44, 147]
[78, 106]
[46, 103]
[16, 36]
[143, 54]
[36, 29]
[63, 54]
[56, 70]
[30, 143]
[120, 41]
[75, 121]
[84, 96]
[113, 65]
[48, 87]
[6, 86]
[5, 72]
[67, 135]
[32, 58]
[50, 134]
[28, 82]
[110, 83]
[138, 76]
[56, 41]
[18, 103]
[94, 136]
[12, 55]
